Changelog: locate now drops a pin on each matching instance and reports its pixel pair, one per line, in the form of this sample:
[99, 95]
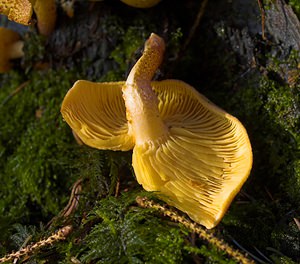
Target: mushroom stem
[140, 100]
[16, 50]
[45, 11]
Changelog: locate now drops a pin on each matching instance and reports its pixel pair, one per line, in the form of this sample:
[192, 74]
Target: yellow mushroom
[194, 154]
[11, 47]
[141, 3]
[19, 11]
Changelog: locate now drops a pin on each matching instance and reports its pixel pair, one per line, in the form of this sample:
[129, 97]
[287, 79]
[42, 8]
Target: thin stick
[74, 199]
[72, 204]
[203, 233]
[297, 223]
[17, 90]
[117, 188]
[263, 19]
[195, 24]
[61, 234]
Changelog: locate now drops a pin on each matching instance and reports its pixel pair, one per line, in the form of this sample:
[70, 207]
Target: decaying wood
[283, 24]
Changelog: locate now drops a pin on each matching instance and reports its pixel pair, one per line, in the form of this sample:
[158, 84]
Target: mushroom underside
[202, 163]
[96, 113]
[198, 167]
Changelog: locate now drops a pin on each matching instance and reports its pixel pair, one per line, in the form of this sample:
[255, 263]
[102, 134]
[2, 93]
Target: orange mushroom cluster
[192, 153]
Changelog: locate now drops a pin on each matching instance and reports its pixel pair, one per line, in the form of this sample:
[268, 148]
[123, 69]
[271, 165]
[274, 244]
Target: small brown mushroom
[11, 47]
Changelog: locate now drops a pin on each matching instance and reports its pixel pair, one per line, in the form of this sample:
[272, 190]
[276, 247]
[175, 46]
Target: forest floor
[242, 55]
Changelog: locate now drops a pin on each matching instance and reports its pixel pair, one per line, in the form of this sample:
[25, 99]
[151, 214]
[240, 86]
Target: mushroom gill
[194, 154]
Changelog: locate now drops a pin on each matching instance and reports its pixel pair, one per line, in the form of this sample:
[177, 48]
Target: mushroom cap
[19, 11]
[141, 3]
[96, 113]
[198, 166]
[7, 39]
[202, 163]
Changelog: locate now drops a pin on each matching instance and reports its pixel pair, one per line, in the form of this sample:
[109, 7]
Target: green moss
[34, 50]
[40, 159]
[130, 235]
[121, 232]
[295, 4]
[212, 254]
[36, 146]
[132, 41]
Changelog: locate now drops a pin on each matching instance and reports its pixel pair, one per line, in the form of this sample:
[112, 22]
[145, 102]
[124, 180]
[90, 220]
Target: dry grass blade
[195, 24]
[72, 204]
[263, 19]
[16, 91]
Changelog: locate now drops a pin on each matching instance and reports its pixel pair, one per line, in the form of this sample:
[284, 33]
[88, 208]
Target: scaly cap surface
[19, 11]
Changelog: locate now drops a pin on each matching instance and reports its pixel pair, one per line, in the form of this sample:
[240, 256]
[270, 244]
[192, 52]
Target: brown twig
[195, 25]
[17, 90]
[297, 223]
[61, 234]
[72, 204]
[74, 199]
[263, 19]
[117, 187]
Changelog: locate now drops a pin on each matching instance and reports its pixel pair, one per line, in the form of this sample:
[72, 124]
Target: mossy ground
[40, 160]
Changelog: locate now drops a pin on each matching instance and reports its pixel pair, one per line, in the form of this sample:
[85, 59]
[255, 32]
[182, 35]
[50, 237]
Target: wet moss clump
[35, 147]
[126, 235]
[296, 6]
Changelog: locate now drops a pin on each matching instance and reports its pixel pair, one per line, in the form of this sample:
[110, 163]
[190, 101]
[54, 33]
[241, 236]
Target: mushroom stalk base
[142, 114]
[16, 50]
